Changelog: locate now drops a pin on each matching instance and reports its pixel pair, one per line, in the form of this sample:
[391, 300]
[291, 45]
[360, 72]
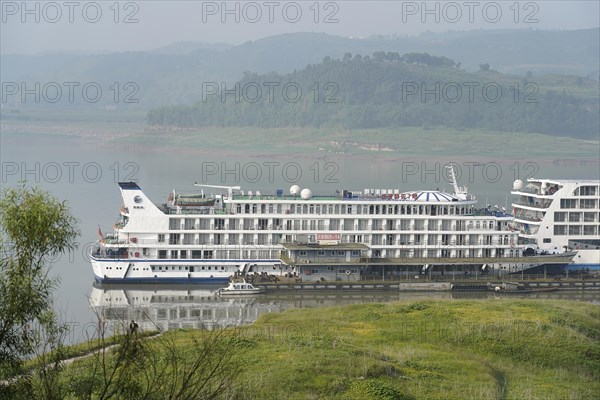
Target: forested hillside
[393, 90]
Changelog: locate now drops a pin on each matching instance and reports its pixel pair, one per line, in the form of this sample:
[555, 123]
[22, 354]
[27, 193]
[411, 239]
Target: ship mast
[460, 192]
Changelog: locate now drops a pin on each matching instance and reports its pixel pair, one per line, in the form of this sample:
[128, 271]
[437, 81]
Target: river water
[85, 174]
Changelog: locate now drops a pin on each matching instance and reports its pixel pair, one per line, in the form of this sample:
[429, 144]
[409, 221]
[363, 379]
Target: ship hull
[175, 271]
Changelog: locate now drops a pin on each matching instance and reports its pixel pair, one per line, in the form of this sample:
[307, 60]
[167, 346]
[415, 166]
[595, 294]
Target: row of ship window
[587, 230]
[369, 209]
[563, 216]
[331, 252]
[333, 225]
[188, 268]
[578, 203]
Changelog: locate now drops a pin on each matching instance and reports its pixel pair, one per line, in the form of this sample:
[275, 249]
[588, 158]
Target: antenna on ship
[230, 189]
[460, 192]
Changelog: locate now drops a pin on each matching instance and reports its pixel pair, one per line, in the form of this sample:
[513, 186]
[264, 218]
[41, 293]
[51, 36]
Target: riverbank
[425, 349]
[425, 285]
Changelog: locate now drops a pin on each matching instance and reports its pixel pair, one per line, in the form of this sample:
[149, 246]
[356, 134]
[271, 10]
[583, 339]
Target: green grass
[431, 349]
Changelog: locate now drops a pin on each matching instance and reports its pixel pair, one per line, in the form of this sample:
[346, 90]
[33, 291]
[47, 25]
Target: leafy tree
[34, 228]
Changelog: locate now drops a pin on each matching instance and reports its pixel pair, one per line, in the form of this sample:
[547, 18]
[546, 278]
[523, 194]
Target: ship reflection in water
[161, 307]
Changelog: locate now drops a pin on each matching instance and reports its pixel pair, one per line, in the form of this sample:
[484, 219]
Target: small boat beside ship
[239, 289]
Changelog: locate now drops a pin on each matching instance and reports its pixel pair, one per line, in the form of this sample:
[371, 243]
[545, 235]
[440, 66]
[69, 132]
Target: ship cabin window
[355, 252]
[173, 254]
[574, 216]
[302, 252]
[298, 209]
[238, 208]
[161, 238]
[263, 208]
[547, 240]
[332, 253]
[568, 203]
[349, 209]
[183, 254]
[589, 217]
[311, 209]
[162, 254]
[330, 209]
[270, 208]
[560, 230]
[321, 253]
[247, 209]
[329, 268]
[586, 191]
[341, 253]
[560, 216]
[208, 254]
[587, 203]
[254, 208]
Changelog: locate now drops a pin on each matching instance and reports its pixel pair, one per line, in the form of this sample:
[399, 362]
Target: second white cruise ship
[559, 215]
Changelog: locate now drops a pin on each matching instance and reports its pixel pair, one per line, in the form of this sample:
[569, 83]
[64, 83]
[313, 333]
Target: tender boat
[239, 288]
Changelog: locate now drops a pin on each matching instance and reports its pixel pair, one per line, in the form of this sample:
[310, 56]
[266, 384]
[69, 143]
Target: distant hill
[393, 90]
[175, 74]
[186, 48]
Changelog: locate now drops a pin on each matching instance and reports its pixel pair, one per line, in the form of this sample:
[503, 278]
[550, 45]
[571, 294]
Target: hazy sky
[88, 26]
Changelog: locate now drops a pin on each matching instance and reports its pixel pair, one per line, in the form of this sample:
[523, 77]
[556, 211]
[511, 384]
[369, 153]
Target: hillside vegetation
[388, 90]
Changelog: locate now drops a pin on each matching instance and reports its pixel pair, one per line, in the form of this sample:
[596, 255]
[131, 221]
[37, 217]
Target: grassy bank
[129, 129]
[434, 349]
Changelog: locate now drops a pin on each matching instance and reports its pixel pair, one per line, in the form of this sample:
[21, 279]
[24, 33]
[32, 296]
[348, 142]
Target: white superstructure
[557, 215]
[208, 238]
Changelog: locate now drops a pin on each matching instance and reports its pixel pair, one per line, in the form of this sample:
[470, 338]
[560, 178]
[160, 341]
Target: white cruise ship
[558, 215]
[344, 236]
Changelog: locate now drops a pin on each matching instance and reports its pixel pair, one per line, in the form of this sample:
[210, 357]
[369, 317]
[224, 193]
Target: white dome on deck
[518, 184]
[306, 194]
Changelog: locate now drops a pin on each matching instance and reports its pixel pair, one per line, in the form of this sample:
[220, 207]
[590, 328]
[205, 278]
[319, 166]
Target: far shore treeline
[388, 90]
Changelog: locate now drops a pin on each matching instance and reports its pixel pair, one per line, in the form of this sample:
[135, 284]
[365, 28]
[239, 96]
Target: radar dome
[306, 194]
[518, 184]
[294, 190]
